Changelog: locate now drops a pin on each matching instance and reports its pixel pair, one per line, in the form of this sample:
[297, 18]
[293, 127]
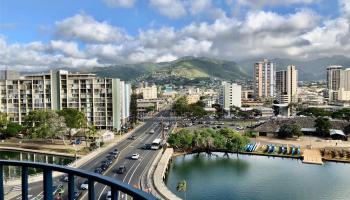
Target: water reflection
[257, 178]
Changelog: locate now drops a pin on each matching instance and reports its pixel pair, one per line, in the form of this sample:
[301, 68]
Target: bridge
[115, 185]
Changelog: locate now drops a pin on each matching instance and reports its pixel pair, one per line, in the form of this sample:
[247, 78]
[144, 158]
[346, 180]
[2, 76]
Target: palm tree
[182, 187]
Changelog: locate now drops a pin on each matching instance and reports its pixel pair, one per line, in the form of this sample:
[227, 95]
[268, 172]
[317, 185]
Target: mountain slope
[187, 67]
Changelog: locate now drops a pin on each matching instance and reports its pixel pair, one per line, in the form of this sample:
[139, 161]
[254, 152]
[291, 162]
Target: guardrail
[115, 185]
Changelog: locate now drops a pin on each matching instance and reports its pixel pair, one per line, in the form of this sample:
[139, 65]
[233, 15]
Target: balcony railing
[115, 185]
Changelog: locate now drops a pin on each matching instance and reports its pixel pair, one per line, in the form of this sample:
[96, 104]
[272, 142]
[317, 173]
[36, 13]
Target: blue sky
[36, 34]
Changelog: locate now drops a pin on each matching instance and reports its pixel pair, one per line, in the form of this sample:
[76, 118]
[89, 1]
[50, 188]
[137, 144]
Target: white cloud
[84, 42]
[120, 3]
[70, 49]
[169, 8]
[38, 56]
[345, 7]
[85, 28]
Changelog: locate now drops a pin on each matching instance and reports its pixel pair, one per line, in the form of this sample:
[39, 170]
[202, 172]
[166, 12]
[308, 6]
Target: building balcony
[48, 169]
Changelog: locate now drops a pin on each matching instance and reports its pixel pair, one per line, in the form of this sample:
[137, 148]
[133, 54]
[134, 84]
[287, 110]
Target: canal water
[11, 172]
[257, 178]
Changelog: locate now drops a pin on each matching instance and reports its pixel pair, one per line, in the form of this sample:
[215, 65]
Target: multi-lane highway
[135, 169]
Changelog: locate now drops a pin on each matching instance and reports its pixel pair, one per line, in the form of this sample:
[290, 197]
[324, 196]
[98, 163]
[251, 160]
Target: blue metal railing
[115, 185]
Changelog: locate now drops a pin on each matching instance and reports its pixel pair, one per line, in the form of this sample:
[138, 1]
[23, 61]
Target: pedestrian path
[312, 156]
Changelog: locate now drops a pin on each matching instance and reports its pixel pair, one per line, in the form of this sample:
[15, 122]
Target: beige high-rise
[264, 79]
[338, 83]
[333, 81]
[287, 85]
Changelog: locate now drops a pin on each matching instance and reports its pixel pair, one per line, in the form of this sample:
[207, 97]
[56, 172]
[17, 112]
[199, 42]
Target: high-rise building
[149, 92]
[230, 94]
[99, 98]
[264, 79]
[344, 87]
[333, 81]
[125, 93]
[338, 83]
[287, 85]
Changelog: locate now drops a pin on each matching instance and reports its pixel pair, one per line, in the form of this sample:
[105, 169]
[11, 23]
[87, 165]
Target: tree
[234, 141]
[59, 127]
[180, 106]
[73, 118]
[323, 126]
[219, 110]
[92, 132]
[133, 108]
[289, 130]
[342, 114]
[12, 129]
[150, 108]
[317, 112]
[43, 124]
[276, 109]
[3, 120]
[182, 187]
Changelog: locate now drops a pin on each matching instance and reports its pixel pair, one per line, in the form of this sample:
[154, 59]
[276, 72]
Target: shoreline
[300, 157]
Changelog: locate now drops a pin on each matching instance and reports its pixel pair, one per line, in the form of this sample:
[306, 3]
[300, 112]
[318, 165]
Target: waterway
[257, 178]
[14, 172]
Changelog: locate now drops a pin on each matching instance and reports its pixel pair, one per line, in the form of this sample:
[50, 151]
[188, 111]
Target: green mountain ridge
[203, 67]
[187, 67]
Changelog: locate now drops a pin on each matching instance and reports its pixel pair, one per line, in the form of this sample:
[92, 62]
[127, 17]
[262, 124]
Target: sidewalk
[159, 175]
[79, 162]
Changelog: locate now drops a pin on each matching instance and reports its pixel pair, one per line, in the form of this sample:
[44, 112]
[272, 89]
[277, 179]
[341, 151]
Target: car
[218, 126]
[151, 131]
[76, 141]
[146, 146]
[121, 169]
[109, 195]
[135, 156]
[107, 162]
[166, 128]
[133, 137]
[84, 185]
[76, 195]
[104, 167]
[112, 156]
[98, 170]
[65, 178]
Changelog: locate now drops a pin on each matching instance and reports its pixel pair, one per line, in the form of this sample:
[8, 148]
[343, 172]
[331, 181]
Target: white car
[135, 156]
[151, 131]
[109, 195]
[85, 185]
[166, 128]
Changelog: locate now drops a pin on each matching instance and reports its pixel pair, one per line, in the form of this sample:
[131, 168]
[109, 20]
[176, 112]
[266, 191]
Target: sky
[36, 34]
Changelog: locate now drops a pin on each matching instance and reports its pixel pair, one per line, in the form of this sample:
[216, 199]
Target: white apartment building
[264, 79]
[287, 85]
[125, 94]
[99, 98]
[230, 94]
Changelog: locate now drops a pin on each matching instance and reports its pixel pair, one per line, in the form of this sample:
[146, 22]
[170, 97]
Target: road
[134, 168]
